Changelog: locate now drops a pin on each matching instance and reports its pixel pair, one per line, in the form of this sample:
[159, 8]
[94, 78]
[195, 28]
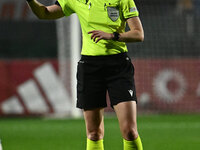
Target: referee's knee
[129, 132]
[95, 135]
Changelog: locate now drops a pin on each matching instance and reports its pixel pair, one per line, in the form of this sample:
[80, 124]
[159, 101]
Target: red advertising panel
[168, 85]
[163, 85]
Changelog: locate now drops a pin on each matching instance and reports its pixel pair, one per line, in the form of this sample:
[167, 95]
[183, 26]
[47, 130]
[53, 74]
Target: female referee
[104, 64]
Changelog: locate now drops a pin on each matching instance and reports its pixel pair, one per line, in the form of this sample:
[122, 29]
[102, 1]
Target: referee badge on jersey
[113, 13]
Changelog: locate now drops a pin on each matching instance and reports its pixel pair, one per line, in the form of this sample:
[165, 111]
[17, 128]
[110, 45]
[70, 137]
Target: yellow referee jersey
[105, 15]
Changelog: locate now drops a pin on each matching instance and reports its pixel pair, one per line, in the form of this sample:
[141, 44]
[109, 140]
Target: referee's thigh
[127, 116]
[94, 123]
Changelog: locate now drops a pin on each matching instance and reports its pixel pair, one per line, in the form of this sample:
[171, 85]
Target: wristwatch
[116, 36]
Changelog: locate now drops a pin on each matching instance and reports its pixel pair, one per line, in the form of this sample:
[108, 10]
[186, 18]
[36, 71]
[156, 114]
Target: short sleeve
[129, 9]
[67, 6]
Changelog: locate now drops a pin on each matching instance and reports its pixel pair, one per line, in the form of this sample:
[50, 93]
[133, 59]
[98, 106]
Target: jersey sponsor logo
[113, 13]
[133, 9]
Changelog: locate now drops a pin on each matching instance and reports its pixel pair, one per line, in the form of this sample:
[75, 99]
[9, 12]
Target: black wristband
[29, 0]
[116, 36]
[57, 3]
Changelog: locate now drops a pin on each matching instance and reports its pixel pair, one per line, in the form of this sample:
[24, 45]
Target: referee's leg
[94, 128]
[127, 116]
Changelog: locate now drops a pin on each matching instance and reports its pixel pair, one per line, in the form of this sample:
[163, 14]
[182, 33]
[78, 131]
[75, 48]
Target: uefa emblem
[113, 13]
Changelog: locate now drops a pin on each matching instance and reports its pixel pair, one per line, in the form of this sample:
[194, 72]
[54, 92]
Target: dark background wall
[172, 29]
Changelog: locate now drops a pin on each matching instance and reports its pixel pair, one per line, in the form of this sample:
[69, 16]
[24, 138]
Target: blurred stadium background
[36, 64]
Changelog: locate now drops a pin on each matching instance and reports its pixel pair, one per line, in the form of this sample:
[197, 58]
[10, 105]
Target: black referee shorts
[98, 74]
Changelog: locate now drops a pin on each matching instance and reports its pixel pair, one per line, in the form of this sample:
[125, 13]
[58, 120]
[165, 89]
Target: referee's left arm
[136, 32]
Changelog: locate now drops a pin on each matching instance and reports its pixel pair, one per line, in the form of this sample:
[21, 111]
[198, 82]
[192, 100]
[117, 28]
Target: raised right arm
[45, 12]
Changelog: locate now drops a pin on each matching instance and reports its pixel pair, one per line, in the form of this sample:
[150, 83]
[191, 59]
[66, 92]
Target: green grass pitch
[158, 132]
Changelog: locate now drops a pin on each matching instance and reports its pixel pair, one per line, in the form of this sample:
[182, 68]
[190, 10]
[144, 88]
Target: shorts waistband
[104, 57]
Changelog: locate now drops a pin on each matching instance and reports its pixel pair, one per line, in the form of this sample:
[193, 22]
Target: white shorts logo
[131, 92]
